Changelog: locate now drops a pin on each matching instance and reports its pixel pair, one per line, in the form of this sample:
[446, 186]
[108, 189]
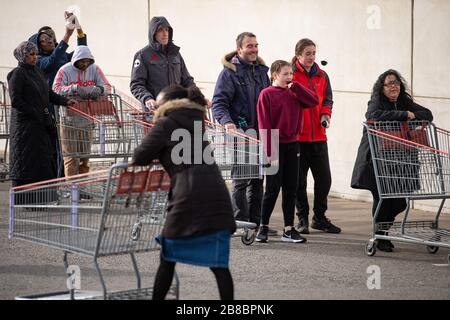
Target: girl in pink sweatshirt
[279, 111]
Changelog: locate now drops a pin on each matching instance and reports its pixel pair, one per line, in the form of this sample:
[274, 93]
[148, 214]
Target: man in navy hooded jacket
[158, 65]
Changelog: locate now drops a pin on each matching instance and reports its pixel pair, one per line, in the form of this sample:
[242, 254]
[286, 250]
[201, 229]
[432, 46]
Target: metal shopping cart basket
[140, 128]
[411, 160]
[238, 156]
[95, 129]
[104, 213]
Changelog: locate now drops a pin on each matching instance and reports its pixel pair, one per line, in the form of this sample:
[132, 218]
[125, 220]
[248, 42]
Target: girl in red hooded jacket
[313, 140]
[279, 111]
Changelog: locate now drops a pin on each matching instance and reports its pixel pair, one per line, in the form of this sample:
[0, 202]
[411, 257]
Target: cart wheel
[136, 231]
[432, 249]
[370, 248]
[248, 237]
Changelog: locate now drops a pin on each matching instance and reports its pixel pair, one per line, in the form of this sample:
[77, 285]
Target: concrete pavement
[326, 267]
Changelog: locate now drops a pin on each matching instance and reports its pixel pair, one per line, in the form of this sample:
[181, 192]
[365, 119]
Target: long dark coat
[199, 201]
[381, 109]
[31, 156]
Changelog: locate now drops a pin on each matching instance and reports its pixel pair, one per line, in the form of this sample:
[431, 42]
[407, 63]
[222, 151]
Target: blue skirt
[208, 250]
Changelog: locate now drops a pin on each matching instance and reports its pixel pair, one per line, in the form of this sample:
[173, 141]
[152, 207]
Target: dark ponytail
[175, 91]
[195, 95]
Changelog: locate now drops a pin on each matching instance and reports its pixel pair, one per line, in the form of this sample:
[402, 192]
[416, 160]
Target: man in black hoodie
[158, 65]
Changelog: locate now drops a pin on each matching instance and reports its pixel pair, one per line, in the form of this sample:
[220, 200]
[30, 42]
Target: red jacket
[318, 81]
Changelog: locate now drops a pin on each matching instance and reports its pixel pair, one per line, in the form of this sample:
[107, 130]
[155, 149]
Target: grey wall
[359, 38]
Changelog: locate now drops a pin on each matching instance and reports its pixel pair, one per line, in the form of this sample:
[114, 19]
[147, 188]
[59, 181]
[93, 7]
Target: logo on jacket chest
[87, 83]
[154, 57]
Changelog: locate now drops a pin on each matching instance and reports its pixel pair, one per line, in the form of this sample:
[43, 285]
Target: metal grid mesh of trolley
[411, 160]
[103, 213]
[96, 129]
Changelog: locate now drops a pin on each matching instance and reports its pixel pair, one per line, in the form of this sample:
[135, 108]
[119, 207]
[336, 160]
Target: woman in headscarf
[31, 124]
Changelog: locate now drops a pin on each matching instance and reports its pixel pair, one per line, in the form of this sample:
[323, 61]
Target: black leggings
[164, 277]
[389, 209]
[286, 179]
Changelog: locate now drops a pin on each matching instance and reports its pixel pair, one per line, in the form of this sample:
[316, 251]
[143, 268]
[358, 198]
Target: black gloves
[92, 92]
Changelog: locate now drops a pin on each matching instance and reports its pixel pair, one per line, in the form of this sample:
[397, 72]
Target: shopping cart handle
[121, 165]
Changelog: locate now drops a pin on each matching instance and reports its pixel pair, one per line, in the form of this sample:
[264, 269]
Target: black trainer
[384, 245]
[262, 235]
[85, 195]
[324, 224]
[303, 226]
[292, 235]
[390, 244]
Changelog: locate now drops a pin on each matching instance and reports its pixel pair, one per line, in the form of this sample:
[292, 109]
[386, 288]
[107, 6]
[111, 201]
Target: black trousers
[390, 208]
[314, 156]
[246, 198]
[286, 179]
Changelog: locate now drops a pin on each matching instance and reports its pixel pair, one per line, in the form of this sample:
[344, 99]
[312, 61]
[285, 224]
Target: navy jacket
[237, 91]
[50, 63]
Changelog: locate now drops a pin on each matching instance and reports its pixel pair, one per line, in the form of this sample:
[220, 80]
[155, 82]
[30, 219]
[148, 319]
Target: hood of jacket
[231, 59]
[34, 38]
[185, 117]
[155, 24]
[82, 52]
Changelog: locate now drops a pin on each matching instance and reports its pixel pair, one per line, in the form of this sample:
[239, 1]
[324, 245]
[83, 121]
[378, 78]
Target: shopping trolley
[235, 153]
[95, 129]
[5, 116]
[141, 128]
[238, 156]
[411, 160]
[129, 103]
[98, 214]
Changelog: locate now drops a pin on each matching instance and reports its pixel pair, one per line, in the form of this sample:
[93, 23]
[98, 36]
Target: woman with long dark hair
[390, 101]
